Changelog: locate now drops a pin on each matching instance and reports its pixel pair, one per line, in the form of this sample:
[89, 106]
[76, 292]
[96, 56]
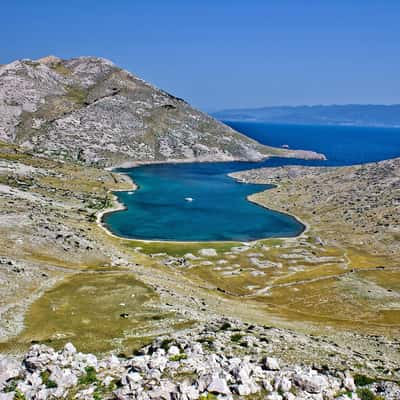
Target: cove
[219, 210]
[157, 210]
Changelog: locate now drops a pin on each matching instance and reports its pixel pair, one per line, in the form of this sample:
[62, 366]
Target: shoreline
[118, 206]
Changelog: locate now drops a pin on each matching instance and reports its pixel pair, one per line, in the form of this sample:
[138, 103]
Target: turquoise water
[219, 210]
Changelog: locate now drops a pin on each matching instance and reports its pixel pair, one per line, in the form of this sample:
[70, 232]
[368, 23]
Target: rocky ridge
[90, 110]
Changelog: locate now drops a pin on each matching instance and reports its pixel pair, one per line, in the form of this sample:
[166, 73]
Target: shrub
[19, 395]
[365, 394]
[236, 337]
[11, 386]
[362, 380]
[225, 326]
[165, 344]
[89, 376]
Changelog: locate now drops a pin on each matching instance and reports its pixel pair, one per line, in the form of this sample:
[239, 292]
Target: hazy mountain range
[349, 114]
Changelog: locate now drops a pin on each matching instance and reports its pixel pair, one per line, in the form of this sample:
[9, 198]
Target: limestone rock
[90, 110]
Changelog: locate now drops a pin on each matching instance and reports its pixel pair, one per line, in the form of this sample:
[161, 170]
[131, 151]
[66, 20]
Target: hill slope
[90, 110]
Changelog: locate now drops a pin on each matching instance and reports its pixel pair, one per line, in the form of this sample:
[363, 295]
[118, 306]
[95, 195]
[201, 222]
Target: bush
[89, 377]
[166, 343]
[236, 337]
[365, 394]
[362, 380]
[19, 395]
[225, 326]
[11, 386]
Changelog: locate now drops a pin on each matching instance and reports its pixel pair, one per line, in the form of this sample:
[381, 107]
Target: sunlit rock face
[89, 109]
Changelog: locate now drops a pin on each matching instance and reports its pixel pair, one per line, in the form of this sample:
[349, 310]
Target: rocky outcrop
[90, 110]
[186, 366]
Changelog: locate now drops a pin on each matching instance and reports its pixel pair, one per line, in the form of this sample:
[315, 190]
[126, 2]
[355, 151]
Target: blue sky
[220, 54]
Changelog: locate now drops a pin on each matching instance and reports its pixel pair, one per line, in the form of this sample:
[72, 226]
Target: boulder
[9, 368]
[271, 364]
[208, 252]
[219, 386]
[311, 383]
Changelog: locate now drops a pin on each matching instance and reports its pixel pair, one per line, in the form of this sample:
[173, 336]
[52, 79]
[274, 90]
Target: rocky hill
[90, 110]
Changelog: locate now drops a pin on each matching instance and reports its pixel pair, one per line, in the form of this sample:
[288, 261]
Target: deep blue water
[342, 145]
[220, 211]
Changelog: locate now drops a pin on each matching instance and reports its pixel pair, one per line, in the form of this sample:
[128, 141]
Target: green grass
[50, 384]
[19, 395]
[208, 396]
[76, 95]
[362, 380]
[60, 69]
[11, 386]
[366, 394]
[178, 357]
[179, 249]
[89, 377]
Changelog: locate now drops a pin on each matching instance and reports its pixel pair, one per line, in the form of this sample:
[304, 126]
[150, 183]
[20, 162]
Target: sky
[224, 54]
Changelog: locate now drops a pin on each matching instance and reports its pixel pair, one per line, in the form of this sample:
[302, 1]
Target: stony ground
[223, 359]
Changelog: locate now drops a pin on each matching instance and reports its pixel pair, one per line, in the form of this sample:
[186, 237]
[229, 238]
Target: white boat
[285, 146]
[130, 192]
[189, 199]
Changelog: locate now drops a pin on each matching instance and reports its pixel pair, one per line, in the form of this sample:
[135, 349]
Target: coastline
[118, 206]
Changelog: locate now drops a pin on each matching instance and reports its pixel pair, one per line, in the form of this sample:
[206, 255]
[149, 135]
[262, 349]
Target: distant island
[349, 114]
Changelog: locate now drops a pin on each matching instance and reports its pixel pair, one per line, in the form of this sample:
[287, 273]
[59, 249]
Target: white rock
[9, 368]
[190, 256]
[311, 383]
[243, 390]
[348, 383]
[7, 396]
[271, 364]
[70, 349]
[274, 396]
[285, 385]
[218, 385]
[158, 362]
[91, 360]
[267, 386]
[134, 377]
[208, 252]
[107, 380]
[189, 391]
[173, 351]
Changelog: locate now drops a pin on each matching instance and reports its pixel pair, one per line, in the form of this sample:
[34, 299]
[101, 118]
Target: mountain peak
[90, 110]
[49, 60]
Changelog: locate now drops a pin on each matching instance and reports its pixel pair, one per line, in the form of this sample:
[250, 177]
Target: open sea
[160, 209]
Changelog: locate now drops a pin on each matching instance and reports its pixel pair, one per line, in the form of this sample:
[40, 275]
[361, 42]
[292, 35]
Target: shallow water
[219, 210]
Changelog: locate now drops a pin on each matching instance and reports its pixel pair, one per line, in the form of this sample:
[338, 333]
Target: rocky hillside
[90, 110]
[222, 360]
[355, 204]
